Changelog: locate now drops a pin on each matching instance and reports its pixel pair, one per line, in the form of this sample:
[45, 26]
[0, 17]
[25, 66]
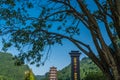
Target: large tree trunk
[116, 73]
[117, 16]
[116, 69]
[115, 10]
[108, 76]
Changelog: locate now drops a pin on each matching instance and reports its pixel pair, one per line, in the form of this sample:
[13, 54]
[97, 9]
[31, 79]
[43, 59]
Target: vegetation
[29, 75]
[88, 71]
[8, 70]
[40, 77]
[37, 32]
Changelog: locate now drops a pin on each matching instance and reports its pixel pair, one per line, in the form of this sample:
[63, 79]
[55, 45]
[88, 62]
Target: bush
[95, 76]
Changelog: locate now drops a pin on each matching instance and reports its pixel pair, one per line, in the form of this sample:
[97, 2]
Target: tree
[36, 30]
[2, 78]
[29, 75]
[94, 76]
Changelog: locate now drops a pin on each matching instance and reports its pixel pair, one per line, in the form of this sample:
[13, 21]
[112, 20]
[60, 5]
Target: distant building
[75, 69]
[53, 73]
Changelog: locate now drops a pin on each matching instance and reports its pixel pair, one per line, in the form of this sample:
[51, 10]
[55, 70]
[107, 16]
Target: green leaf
[37, 65]
[59, 28]
[30, 5]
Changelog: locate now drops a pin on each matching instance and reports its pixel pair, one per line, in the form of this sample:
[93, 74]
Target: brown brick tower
[75, 67]
[53, 73]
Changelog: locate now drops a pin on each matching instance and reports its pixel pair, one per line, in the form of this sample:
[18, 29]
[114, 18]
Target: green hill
[8, 71]
[39, 77]
[88, 71]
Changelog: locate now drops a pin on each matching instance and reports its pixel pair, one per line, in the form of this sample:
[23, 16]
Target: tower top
[74, 53]
[52, 67]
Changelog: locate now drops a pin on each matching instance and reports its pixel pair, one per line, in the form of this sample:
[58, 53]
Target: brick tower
[53, 73]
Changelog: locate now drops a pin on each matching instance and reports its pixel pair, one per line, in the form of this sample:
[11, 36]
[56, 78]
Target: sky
[58, 57]
[59, 54]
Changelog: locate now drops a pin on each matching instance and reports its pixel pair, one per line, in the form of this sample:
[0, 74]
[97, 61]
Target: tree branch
[78, 43]
[91, 55]
[102, 9]
[114, 5]
[63, 36]
[91, 19]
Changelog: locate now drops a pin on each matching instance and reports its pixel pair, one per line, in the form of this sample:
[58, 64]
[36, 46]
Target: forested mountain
[8, 70]
[88, 71]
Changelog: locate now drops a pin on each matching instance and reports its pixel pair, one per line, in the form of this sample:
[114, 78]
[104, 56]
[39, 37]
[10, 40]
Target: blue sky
[58, 57]
[59, 54]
